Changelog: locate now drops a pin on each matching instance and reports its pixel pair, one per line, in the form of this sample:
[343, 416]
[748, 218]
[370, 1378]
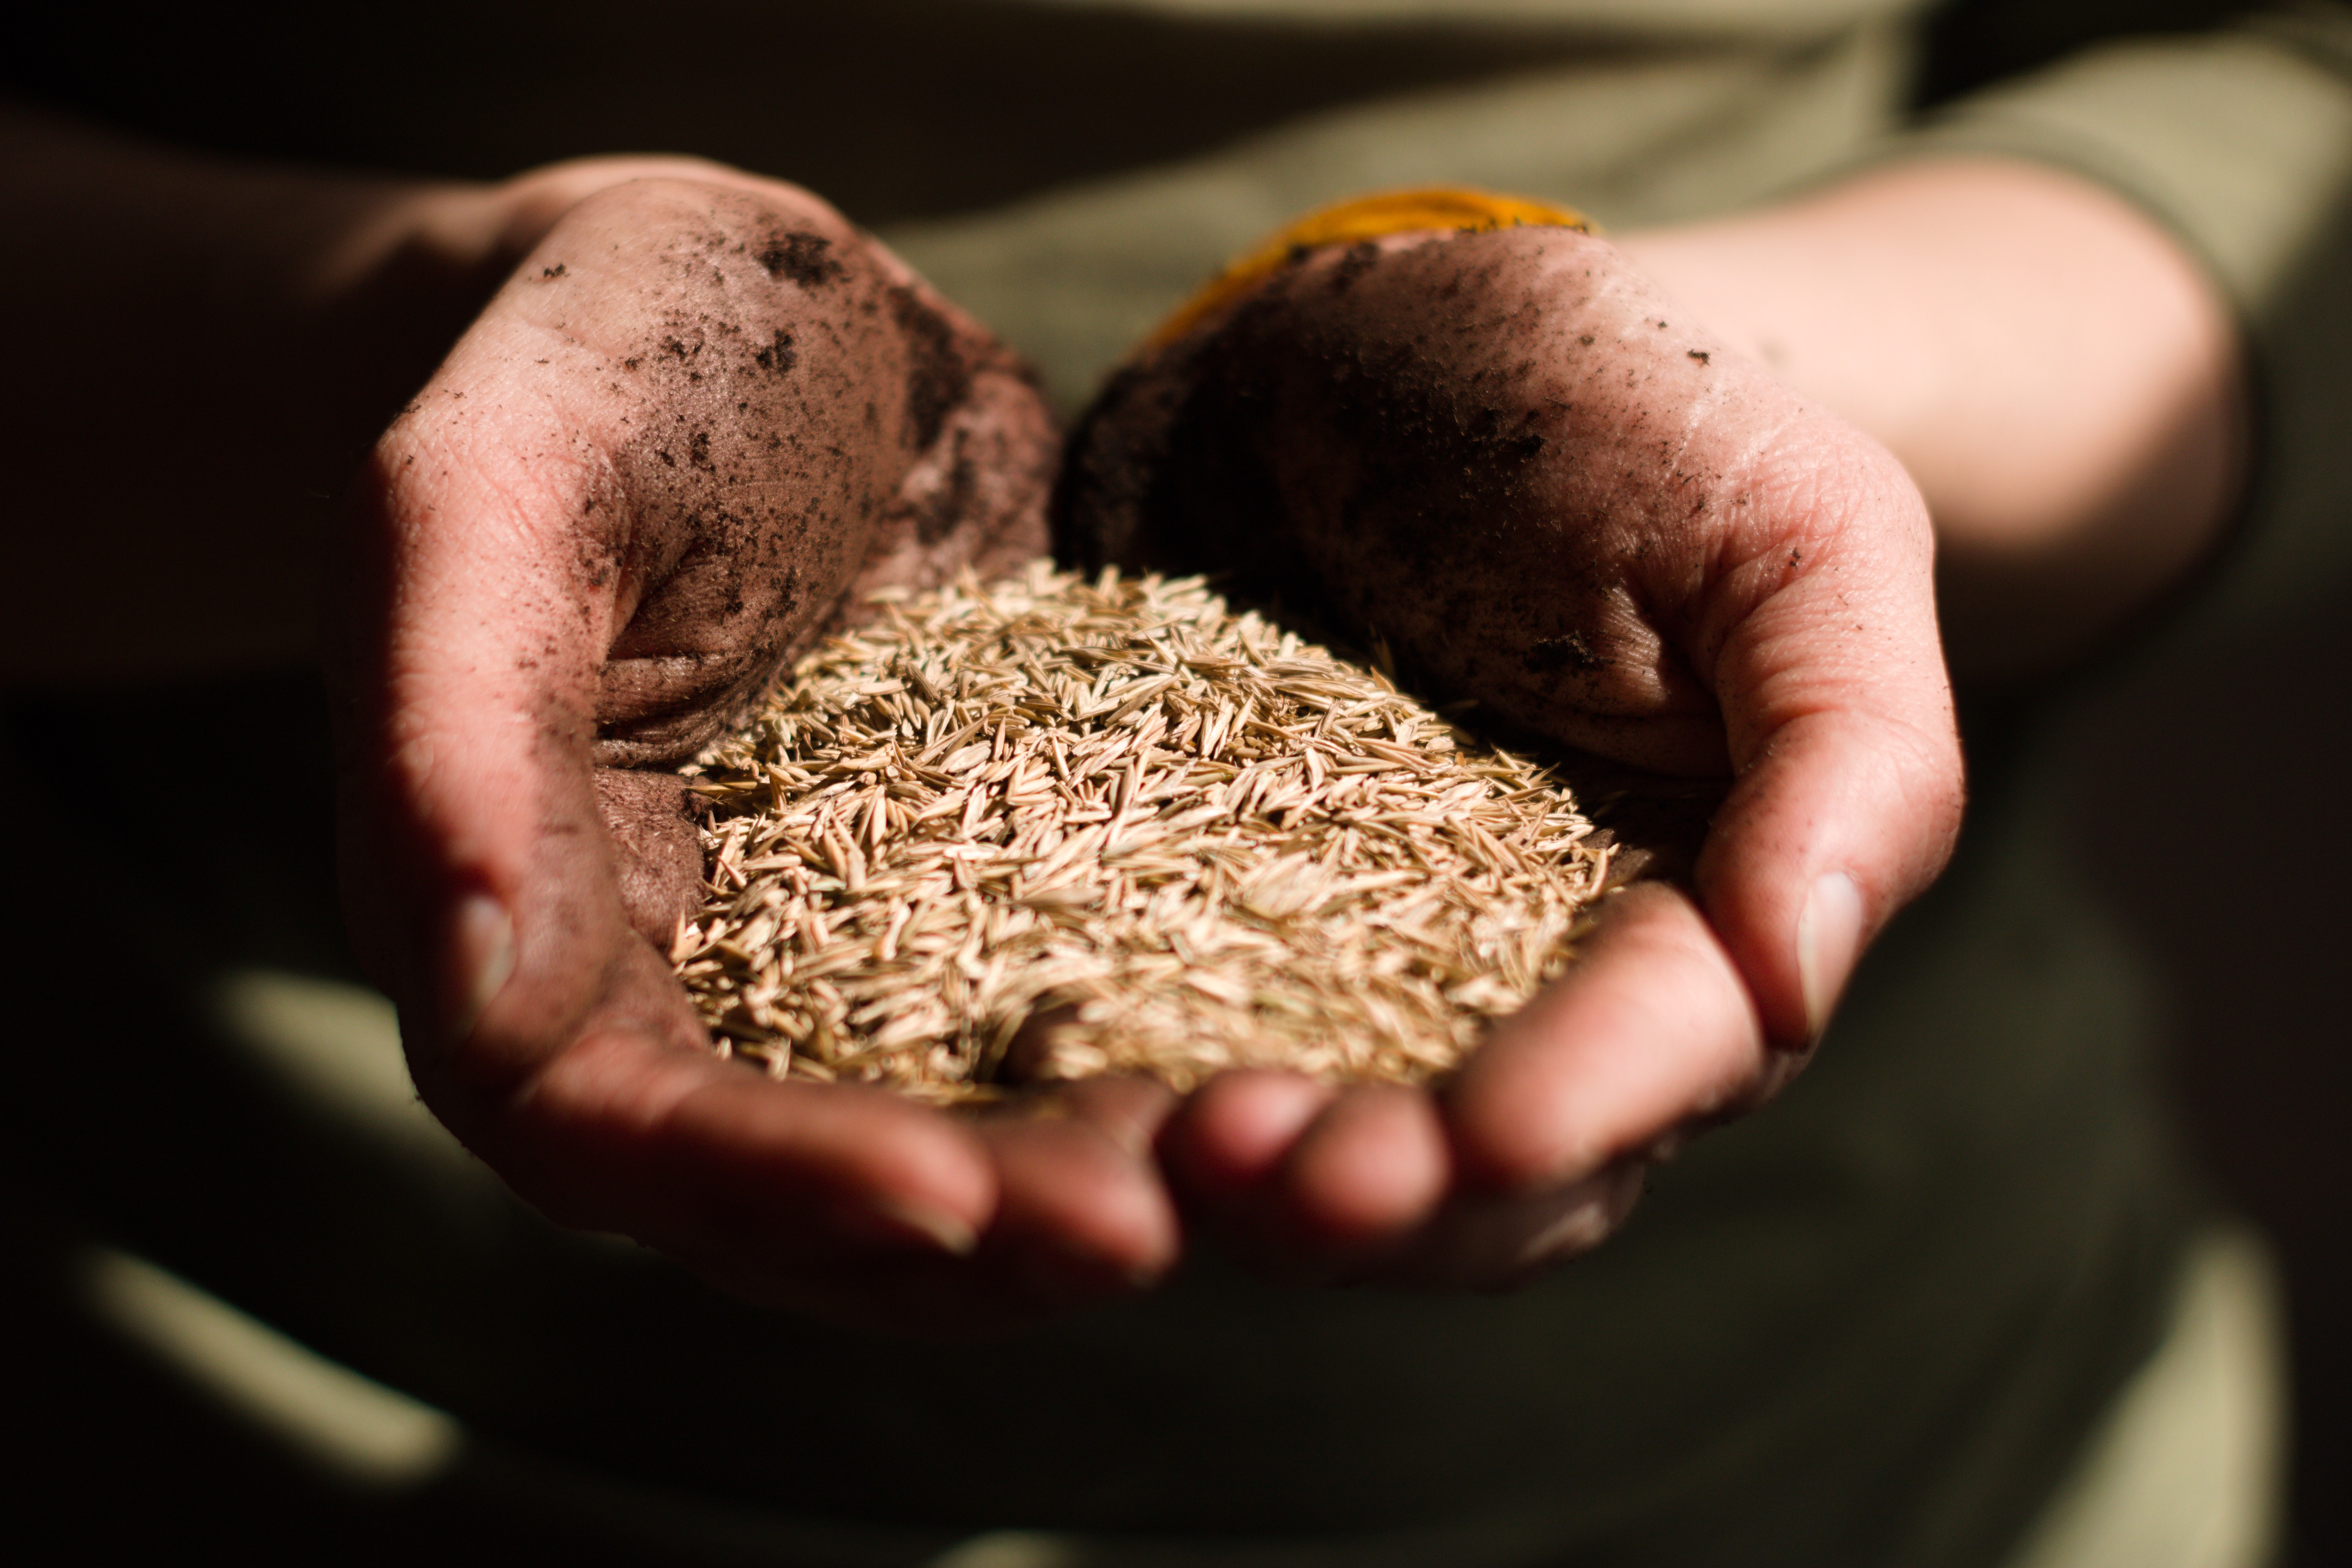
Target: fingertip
[1373, 1163]
[897, 1166]
[1580, 1219]
[868, 1167]
[1828, 940]
[1651, 1027]
[912, 1222]
[481, 960]
[1846, 818]
[1081, 1211]
[1498, 1242]
[1233, 1130]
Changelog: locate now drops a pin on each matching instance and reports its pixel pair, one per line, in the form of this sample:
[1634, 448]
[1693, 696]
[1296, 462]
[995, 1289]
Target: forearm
[209, 349]
[2057, 375]
[206, 350]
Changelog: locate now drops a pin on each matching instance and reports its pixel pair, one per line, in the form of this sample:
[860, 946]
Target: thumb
[477, 610]
[547, 1033]
[1839, 718]
[482, 586]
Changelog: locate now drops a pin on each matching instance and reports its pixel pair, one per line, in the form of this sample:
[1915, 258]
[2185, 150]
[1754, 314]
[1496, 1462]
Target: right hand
[1549, 490]
[703, 413]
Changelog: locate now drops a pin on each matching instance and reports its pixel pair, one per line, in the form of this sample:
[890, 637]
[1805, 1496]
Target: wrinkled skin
[703, 417]
[1545, 489]
[705, 409]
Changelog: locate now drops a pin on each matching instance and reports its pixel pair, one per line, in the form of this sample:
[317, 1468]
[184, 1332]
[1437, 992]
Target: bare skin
[1504, 454]
[542, 602]
[2057, 375]
[517, 663]
[700, 417]
[1512, 454]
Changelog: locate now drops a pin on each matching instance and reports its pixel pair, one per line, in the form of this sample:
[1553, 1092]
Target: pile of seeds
[1059, 827]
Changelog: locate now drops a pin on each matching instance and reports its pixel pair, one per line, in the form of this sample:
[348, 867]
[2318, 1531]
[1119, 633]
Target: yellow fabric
[1353, 222]
[1077, 275]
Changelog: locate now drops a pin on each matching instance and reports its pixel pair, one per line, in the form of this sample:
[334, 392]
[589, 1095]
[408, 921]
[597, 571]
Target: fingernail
[482, 933]
[1829, 937]
[1069, 1278]
[902, 1220]
[1585, 1226]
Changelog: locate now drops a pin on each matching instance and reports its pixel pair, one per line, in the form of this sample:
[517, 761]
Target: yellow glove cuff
[1350, 221]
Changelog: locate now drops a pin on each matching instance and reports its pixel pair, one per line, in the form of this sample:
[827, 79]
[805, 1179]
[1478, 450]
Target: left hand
[704, 413]
[1548, 488]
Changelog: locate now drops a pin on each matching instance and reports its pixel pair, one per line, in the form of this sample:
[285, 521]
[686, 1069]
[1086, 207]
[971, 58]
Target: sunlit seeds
[1165, 836]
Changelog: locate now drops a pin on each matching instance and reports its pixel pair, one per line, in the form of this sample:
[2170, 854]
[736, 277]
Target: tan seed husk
[1056, 826]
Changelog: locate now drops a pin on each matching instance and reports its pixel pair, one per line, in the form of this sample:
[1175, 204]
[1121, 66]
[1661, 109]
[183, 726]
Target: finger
[635, 1126]
[467, 772]
[1651, 1027]
[1081, 1213]
[680, 1146]
[1371, 1167]
[1490, 1242]
[1230, 1136]
[1839, 721]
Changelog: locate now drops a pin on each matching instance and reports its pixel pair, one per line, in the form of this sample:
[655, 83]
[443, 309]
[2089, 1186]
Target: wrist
[2056, 374]
[530, 203]
[429, 256]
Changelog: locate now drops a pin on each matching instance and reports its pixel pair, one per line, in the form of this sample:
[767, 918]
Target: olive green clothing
[1871, 1325]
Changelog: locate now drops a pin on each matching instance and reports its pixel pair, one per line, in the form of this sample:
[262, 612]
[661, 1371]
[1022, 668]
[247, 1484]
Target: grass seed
[1058, 826]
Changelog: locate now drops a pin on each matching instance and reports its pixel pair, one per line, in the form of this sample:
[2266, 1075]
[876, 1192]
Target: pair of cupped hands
[706, 413]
